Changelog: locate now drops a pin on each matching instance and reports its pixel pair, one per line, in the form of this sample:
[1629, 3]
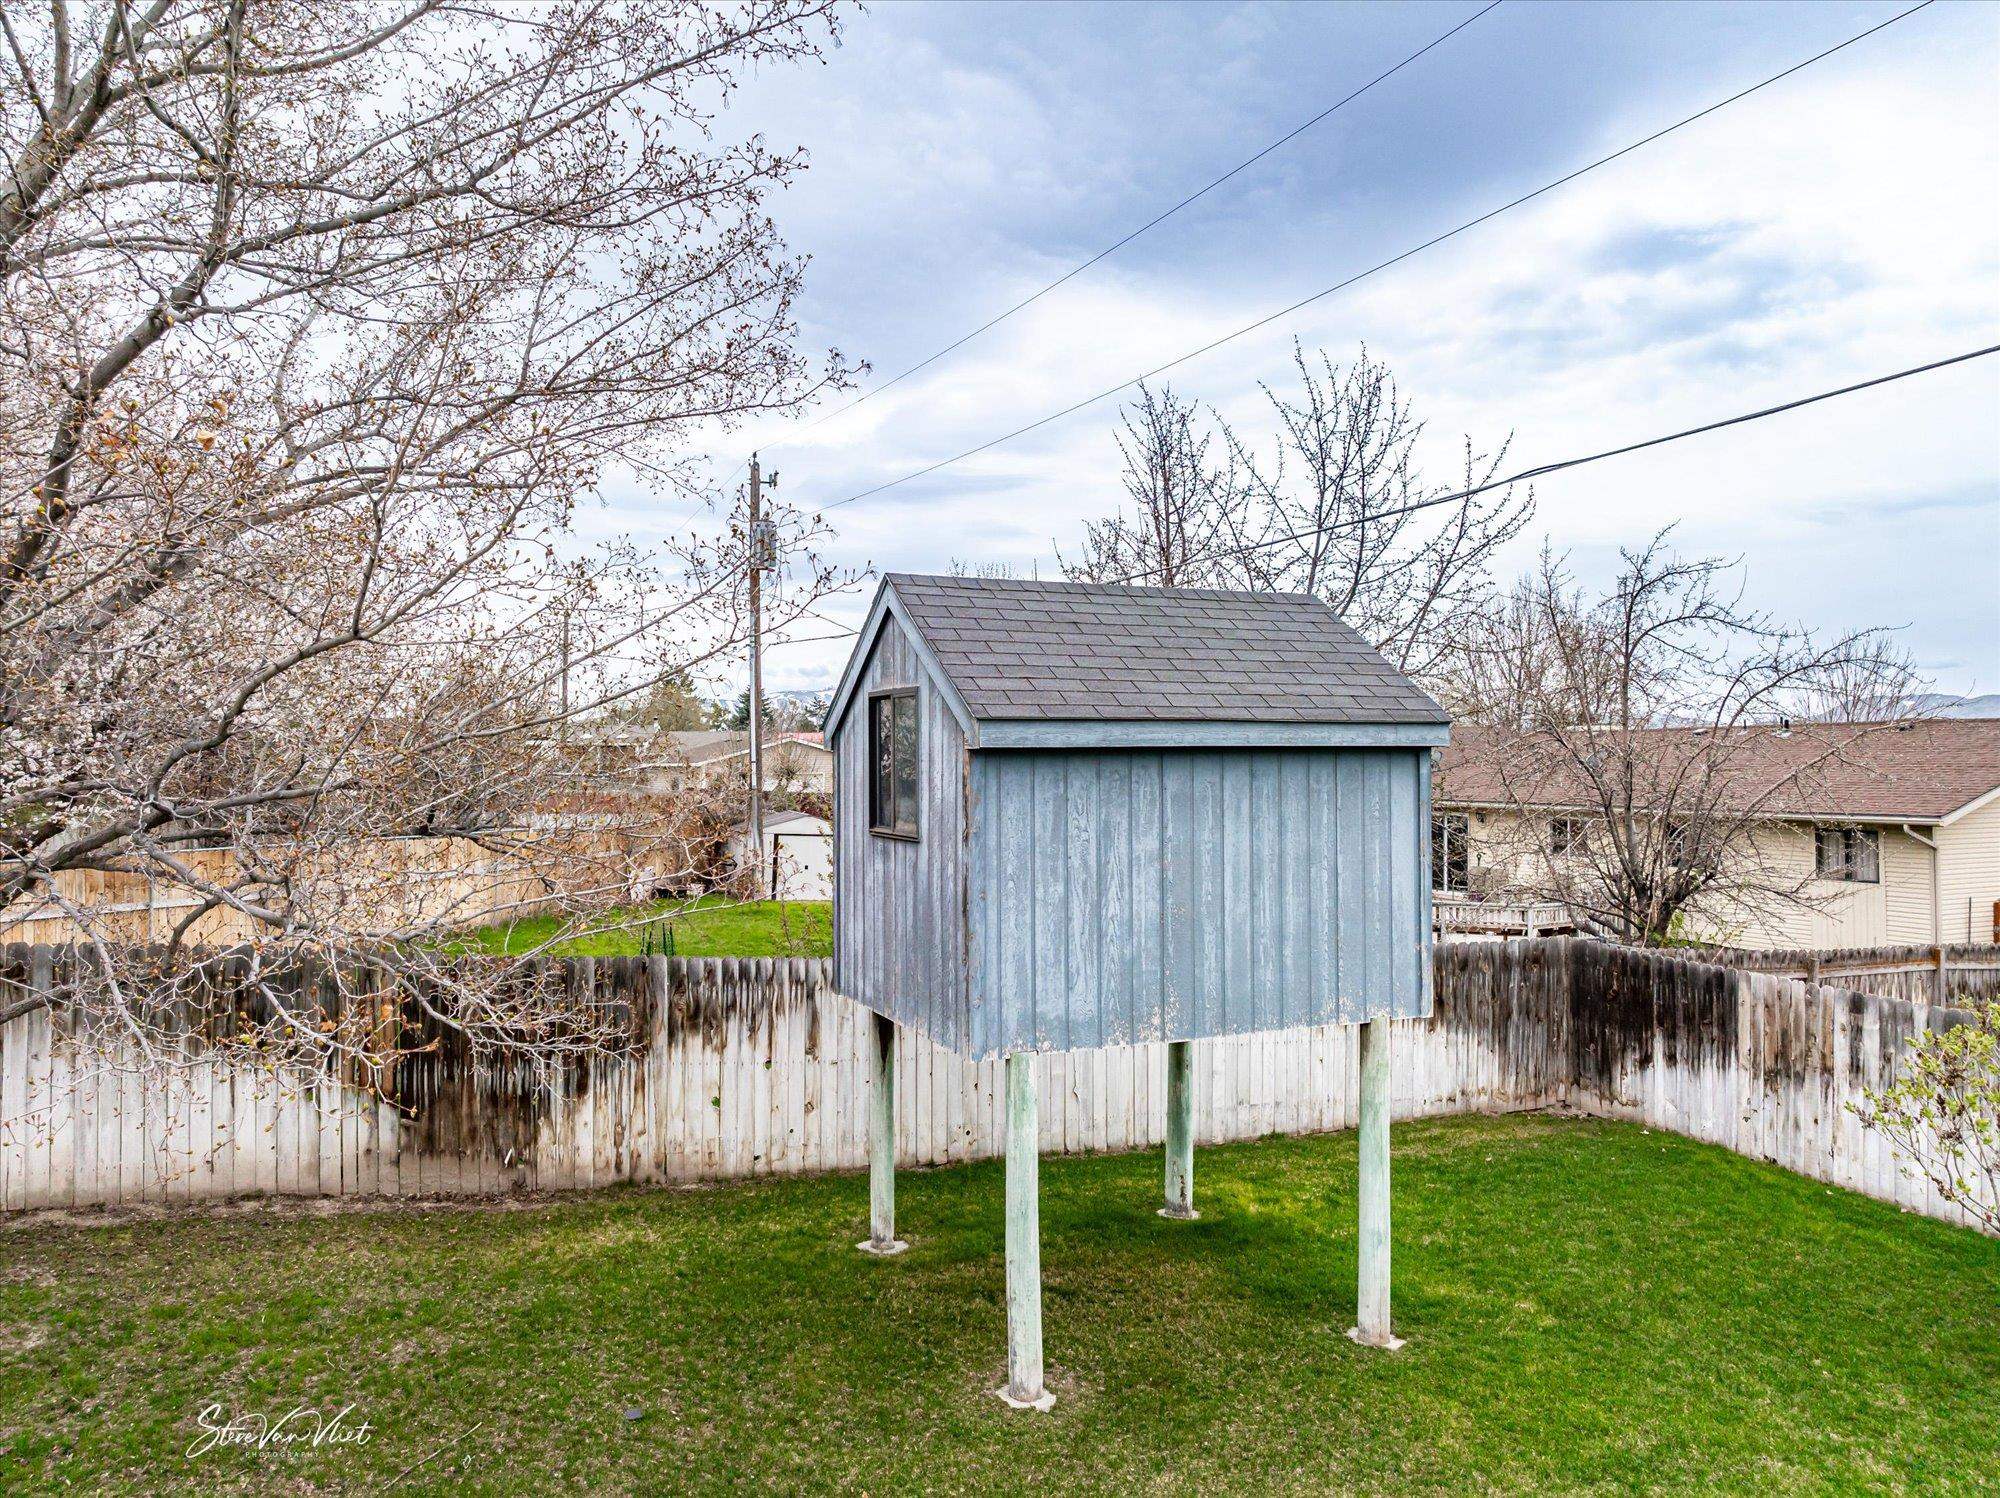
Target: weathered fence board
[1952, 973]
[755, 1066]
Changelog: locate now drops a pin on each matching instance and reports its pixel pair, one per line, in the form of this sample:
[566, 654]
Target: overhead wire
[1159, 218]
[1393, 260]
[1529, 474]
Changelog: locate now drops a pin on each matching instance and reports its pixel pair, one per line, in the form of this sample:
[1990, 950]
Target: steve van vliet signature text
[298, 1426]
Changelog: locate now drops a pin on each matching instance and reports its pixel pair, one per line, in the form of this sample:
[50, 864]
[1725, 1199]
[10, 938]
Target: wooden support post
[1371, 1328]
[1180, 1131]
[882, 1239]
[1024, 1389]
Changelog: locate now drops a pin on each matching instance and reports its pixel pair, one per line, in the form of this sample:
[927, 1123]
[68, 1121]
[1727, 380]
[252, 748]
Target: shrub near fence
[753, 1066]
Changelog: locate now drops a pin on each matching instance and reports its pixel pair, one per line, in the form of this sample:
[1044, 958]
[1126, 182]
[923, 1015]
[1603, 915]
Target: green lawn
[1590, 1307]
[711, 927]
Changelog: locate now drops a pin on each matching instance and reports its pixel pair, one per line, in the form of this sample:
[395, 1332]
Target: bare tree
[1644, 740]
[1338, 508]
[1332, 505]
[320, 321]
[960, 567]
[1176, 532]
[1878, 684]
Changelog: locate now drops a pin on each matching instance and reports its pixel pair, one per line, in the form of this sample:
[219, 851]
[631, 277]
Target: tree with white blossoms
[321, 320]
[1942, 1112]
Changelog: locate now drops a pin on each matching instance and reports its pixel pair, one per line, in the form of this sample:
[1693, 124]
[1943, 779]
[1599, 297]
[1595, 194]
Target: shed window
[892, 761]
[1852, 855]
[1450, 871]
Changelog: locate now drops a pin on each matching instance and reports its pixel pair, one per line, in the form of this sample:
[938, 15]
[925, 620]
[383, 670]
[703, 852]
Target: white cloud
[1838, 225]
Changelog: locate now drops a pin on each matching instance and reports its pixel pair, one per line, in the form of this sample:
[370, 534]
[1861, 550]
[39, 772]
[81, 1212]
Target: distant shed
[1072, 815]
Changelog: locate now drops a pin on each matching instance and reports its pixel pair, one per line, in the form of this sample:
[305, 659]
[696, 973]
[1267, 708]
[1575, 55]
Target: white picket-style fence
[755, 1066]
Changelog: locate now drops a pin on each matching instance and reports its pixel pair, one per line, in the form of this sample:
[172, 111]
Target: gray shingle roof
[1051, 650]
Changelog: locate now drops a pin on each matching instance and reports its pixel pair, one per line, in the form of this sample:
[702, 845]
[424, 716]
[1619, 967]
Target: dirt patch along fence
[755, 1066]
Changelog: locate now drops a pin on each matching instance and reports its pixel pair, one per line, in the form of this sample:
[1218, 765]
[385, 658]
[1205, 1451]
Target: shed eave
[885, 606]
[1102, 733]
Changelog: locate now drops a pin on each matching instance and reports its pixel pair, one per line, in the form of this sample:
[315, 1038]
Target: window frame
[1850, 841]
[877, 825]
[1570, 841]
[1447, 827]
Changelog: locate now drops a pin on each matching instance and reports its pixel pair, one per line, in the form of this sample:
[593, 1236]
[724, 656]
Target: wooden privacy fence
[754, 1066]
[1935, 974]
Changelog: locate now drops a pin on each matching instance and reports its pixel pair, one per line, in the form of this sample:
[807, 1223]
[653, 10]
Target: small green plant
[656, 938]
[1942, 1113]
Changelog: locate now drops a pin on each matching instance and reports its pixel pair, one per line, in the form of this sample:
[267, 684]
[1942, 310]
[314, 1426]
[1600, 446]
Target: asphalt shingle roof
[1923, 770]
[1051, 650]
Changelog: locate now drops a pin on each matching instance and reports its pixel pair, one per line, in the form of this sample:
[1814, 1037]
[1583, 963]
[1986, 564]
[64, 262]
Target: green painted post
[1024, 1388]
[1371, 1328]
[1180, 1131]
[882, 1240]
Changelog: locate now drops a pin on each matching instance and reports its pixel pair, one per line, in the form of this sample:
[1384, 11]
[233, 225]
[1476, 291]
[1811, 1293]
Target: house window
[1450, 870]
[1852, 855]
[892, 761]
[1565, 835]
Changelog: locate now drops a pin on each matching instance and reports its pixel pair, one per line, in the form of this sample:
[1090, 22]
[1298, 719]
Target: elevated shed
[1073, 815]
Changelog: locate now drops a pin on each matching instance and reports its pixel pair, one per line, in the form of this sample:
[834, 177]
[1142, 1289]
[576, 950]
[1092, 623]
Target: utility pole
[562, 728]
[757, 550]
[565, 689]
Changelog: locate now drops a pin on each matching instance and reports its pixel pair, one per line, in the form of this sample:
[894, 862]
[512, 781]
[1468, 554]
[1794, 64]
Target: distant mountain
[1944, 705]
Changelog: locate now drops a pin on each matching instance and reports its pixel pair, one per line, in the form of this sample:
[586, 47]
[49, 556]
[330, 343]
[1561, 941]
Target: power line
[1548, 468]
[1157, 219]
[1372, 270]
[1526, 474]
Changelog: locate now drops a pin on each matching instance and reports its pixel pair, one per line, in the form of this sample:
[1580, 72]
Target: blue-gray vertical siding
[1130, 895]
[899, 906]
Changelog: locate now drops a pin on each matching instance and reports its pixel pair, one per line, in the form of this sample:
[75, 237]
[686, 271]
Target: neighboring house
[1896, 839]
[632, 757]
[798, 855]
[797, 762]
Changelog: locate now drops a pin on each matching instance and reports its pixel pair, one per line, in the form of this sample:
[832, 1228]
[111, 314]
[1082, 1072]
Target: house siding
[1906, 891]
[1969, 874]
[898, 911]
[1505, 852]
[1122, 896]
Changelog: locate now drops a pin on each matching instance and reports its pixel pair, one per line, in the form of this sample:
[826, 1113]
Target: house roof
[697, 746]
[1923, 771]
[1020, 651]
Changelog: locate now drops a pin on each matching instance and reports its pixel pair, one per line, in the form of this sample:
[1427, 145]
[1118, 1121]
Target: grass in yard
[1589, 1307]
[712, 926]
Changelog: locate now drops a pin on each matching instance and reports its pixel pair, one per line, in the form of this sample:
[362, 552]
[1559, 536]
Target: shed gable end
[899, 910]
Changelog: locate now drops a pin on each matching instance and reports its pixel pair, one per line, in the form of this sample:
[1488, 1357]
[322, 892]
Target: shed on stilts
[1073, 815]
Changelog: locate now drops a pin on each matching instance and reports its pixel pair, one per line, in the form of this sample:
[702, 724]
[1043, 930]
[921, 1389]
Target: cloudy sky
[1838, 225]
